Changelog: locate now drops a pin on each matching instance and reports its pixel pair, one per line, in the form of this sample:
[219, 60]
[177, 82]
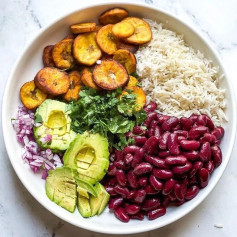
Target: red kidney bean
[196, 132]
[156, 161]
[150, 204]
[209, 166]
[121, 177]
[140, 140]
[176, 160]
[162, 173]
[182, 133]
[194, 117]
[203, 176]
[216, 155]
[153, 124]
[163, 140]
[132, 209]
[193, 180]
[155, 183]
[168, 187]
[170, 123]
[179, 203]
[178, 192]
[115, 203]
[150, 107]
[165, 202]
[208, 137]
[151, 145]
[190, 155]
[128, 158]
[164, 154]
[154, 214]
[182, 169]
[209, 123]
[157, 132]
[139, 216]
[205, 152]
[132, 179]
[176, 128]
[196, 166]
[218, 132]
[189, 144]
[121, 215]
[112, 157]
[151, 191]
[137, 158]
[150, 117]
[129, 135]
[217, 142]
[140, 196]
[122, 191]
[131, 194]
[202, 120]
[112, 181]
[191, 192]
[111, 170]
[119, 155]
[137, 130]
[151, 130]
[172, 196]
[181, 138]
[110, 190]
[120, 165]
[143, 181]
[162, 118]
[142, 168]
[131, 149]
[186, 123]
[172, 144]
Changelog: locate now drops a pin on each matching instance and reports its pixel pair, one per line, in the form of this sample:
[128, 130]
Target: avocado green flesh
[89, 155]
[55, 122]
[86, 186]
[82, 192]
[60, 188]
[84, 206]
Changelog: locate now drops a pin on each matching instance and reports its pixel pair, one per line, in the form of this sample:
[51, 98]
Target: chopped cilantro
[38, 118]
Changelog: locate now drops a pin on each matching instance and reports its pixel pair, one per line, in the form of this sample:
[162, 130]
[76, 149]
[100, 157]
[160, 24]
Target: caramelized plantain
[106, 39]
[98, 27]
[62, 54]
[83, 27]
[47, 56]
[130, 47]
[123, 29]
[112, 16]
[141, 96]
[31, 96]
[126, 58]
[69, 36]
[132, 81]
[110, 75]
[52, 81]
[87, 79]
[85, 49]
[74, 87]
[142, 33]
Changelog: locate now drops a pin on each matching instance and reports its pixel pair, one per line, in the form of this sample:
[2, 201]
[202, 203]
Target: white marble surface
[20, 214]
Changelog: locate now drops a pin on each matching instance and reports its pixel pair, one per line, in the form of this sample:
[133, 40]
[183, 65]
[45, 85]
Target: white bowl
[30, 62]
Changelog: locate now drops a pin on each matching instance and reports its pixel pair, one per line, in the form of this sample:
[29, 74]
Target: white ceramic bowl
[30, 62]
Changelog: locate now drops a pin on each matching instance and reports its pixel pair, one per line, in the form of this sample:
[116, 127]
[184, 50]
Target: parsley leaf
[38, 118]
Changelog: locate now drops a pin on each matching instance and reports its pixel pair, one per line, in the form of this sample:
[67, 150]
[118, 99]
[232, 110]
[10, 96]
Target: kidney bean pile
[171, 160]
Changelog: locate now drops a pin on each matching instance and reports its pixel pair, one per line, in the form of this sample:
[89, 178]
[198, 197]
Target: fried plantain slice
[106, 39]
[110, 75]
[126, 58]
[112, 16]
[87, 79]
[47, 56]
[98, 27]
[123, 29]
[62, 54]
[132, 81]
[52, 81]
[130, 47]
[83, 27]
[74, 87]
[142, 33]
[141, 96]
[69, 36]
[85, 49]
[31, 96]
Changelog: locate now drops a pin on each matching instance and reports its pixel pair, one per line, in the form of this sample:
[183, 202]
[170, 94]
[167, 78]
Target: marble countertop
[20, 214]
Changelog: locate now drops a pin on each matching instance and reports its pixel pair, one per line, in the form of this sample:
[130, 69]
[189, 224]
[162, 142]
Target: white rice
[180, 80]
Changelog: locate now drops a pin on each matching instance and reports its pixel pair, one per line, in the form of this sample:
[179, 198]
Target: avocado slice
[99, 203]
[55, 123]
[89, 155]
[82, 192]
[84, 206]
[83, 185]
[60, 187]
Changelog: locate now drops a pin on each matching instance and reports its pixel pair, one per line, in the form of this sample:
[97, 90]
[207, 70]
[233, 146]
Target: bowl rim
[152, 225]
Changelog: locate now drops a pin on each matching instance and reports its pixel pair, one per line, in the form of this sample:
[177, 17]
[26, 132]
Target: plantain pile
[99, 56]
